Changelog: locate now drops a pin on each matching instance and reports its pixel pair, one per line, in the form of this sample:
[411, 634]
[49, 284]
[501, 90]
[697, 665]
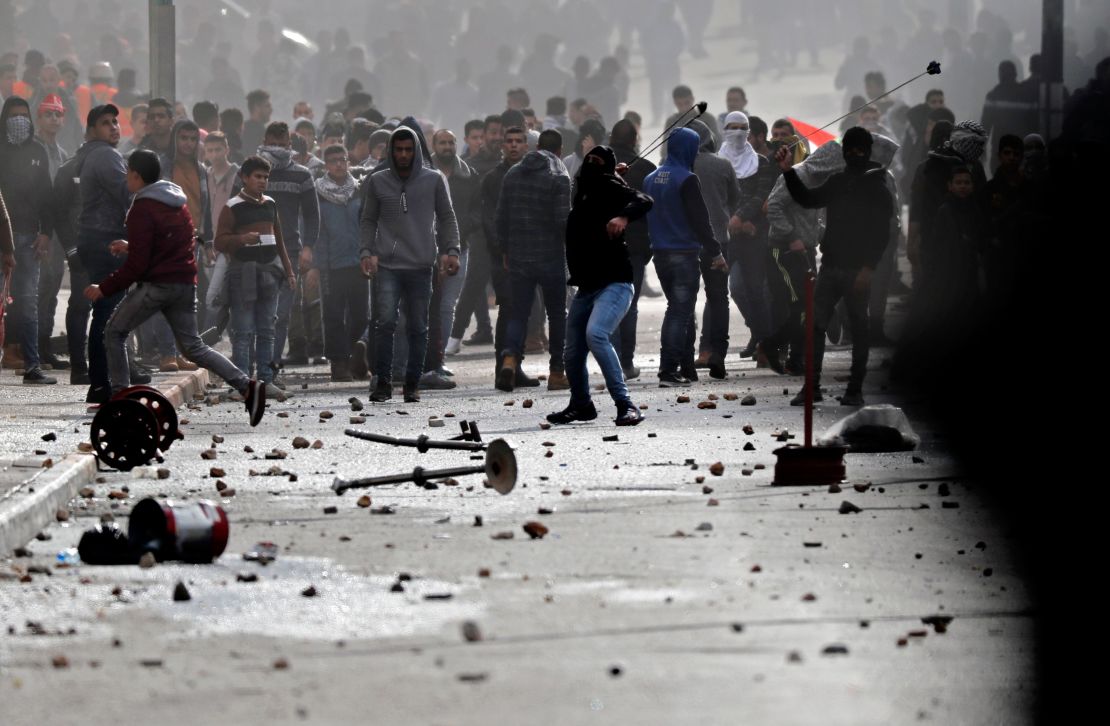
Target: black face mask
[856, 162]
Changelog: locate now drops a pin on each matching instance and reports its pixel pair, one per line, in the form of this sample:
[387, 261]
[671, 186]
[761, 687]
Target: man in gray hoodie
[407, 223]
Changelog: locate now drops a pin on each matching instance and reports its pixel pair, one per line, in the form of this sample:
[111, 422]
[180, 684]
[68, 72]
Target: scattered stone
[283, 414]
[615, 671]
[221, 485]
[707, 405]
[712, 503]
[704, 527]
[472, 677]
[217, 473]
[549, 453]
[565, 492]
[309, 591]
[847, 507]
[228, 493]
[181, 593]
[62, 515]
[208, 454]
[749, 446]
[748, 400]
[535, 530]
[809, 597]
[510, 402]
[331, 509]
[705, 489]
[918, 460]
[682, 399]
[248, 450]
[325, 415]
[756, 568]
[300, 442]
[117, 494]
[387, 509]
[731, 396]
[281, 664]
[151, 662]
[917, 633]
[356, 405]
[276, 454]
[59, 661]
[988, 572]
[544, 426]
[364, 501]
[862, 487]
[246, 577]
[939, 622]
[357, 419]
[545, 510]
[87, 492]
[811, 544]
[502, 535]
[610, 438]
[834, 488]
[903, 642]
[835, 649]
[949, 505]
[717, 469]
[526, 403]
[712, 397]
[483, 572]
[85, 447]
[943, 490]
[980, 545]
[471, 632]
[478, 520]
[50, 436]
[793, 657]
[147, 561]
[759, 467]
[217, 439]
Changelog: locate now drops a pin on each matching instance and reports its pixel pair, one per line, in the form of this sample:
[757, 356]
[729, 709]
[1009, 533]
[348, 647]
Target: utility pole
[1052, 66]
[163, 50]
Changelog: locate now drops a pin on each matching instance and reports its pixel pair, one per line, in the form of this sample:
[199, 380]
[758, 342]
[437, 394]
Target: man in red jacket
[161, 267]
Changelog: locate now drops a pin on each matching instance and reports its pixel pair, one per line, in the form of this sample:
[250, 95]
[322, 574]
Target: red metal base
[809, 466]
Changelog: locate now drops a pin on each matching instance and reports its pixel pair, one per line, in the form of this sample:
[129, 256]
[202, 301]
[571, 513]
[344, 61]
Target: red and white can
[192, 532]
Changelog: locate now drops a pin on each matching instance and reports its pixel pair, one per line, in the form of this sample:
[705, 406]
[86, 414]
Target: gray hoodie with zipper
[406, 223]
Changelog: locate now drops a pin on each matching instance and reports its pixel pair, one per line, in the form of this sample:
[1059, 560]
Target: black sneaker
[628, 415]
[506, 380]
[572, 413]
[35, 377]
[689, 372]
[852, 398]
[255, 401]
[771, 354]
[382, 392]
[140, 376]
[717, 367]
[98, 394]
[411, 392]
[55, 362]
[800, 398]
[480, 337]
[359, 368]
[672, 380]
[749, 349]
[78, 378]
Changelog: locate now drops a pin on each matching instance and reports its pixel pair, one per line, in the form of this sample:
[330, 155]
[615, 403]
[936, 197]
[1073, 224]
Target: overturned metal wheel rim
[501, 469]
[124, 434]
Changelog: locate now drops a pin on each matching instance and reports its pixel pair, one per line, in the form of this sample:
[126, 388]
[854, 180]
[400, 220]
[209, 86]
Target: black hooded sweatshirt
[594, 258]
[25, 179]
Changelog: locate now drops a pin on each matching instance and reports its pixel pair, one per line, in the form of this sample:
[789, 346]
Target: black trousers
[472, 300]
[833, 285]
[346, 306]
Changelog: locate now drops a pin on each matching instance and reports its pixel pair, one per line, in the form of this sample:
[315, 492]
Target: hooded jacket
[25, 178]
[66, 201]
[294, 190]
[679, 220]
[719, 186]
[636, 234]
[860, 208]
[788, 219]
[168, 170]
[161, 245]
[531, 219]
[595, 259]
[407, 222]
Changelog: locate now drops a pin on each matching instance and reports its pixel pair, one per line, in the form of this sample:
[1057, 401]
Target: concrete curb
[28, 510]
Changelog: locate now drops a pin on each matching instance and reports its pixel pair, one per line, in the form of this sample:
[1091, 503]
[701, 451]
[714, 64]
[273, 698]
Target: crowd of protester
[368, 232]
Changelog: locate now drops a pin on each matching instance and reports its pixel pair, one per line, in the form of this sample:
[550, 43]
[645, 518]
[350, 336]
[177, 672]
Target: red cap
[53, 102]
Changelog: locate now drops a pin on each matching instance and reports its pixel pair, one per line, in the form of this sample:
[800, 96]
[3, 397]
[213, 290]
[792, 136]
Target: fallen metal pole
[422, 443]
[499, 467]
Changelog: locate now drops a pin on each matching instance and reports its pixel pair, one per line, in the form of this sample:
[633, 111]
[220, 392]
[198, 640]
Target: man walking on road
[407, 220]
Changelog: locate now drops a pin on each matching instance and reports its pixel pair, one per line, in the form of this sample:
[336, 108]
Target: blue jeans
[176, 304]
[625, 337]
[452, 289]
[92, 248]
[593, 318]
[392, 289]
[679, 274]
[25, 298]
[252, 321]
[552, 280]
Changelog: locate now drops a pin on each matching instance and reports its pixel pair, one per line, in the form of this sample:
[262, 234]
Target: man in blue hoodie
[681, 233]
[408, 225]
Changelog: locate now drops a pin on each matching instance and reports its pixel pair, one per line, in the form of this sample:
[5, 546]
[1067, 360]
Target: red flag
[811, 134]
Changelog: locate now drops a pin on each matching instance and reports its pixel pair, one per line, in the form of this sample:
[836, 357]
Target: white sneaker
[454, 346]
